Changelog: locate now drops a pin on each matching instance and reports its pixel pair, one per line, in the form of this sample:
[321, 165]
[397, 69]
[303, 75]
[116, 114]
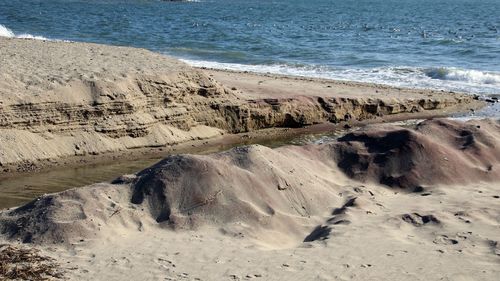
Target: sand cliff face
[60, 99]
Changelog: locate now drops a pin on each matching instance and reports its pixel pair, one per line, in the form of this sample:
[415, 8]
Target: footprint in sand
[419, 220]
[494, 246]
[165, 263]
[445, 240]
[463, 216]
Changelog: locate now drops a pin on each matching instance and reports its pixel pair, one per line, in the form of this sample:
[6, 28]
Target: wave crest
[472, 76]
[6, 32]
[438, 78]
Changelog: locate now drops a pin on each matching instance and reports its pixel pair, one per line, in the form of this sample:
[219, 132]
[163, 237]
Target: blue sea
[440, 44]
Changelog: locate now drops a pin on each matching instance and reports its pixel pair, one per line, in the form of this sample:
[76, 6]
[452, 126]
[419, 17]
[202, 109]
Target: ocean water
[440, 44]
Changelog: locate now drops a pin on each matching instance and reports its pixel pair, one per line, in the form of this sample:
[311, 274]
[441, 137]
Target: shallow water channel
[20, 189]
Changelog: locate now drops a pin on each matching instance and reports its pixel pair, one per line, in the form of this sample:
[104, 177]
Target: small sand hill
[254, 191]
[244, 191]
[436, 152]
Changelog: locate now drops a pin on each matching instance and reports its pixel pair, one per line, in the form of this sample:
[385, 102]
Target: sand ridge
[246, 184]
[437, 151]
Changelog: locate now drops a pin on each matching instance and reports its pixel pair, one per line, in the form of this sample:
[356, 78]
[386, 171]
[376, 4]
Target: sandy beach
[382, 202]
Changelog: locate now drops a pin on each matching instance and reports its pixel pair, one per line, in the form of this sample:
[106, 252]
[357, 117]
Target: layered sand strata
[60, 100]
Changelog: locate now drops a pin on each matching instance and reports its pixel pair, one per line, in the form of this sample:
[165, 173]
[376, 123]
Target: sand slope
[295, 212]
[436, 152]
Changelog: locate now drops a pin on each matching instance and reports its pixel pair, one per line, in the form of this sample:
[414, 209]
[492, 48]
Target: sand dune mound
[243, 191]
[72, 215]
[436, 152]
[250, 190]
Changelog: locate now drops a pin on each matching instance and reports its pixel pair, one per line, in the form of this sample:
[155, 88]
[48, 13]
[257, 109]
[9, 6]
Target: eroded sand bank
[61, 100]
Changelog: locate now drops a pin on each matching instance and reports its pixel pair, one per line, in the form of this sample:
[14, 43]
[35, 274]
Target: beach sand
[380, 203]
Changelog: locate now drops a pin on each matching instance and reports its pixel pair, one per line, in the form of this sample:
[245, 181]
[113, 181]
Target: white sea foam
[29, 36]
[6, 32]
[472, 76]
[451, 79]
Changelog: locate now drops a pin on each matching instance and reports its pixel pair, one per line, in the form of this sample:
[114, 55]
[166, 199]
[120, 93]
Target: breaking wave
[6, 32]
[438, 78]
[472, 76]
